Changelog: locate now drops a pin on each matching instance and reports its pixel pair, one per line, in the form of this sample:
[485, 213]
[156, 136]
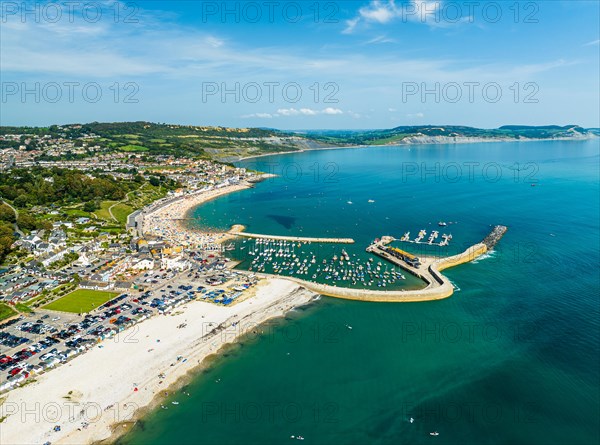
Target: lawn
[102, 212]
[80, 301]
[76, 212]
[121, 212]
[6, 311]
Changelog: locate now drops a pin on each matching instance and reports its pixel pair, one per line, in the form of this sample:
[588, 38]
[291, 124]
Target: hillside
[447, 134]
[149, 140]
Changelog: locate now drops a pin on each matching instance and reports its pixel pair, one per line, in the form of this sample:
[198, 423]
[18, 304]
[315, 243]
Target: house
[143, 264]
[95, 285]
[176, 263]
[124, 285]
[67, 224]
[58, 237]
[30, 242]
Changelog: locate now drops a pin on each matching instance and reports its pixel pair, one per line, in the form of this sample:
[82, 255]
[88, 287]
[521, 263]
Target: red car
[15, 371]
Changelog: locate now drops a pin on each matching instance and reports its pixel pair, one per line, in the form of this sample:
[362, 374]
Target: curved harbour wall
[438, 286]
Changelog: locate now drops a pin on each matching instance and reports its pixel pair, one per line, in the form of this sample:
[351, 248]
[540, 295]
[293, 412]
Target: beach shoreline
[90, 401]
[170, 221]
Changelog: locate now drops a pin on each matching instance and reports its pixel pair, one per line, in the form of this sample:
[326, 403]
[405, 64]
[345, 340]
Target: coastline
[170, 221]
[86, 390]
[429, 141]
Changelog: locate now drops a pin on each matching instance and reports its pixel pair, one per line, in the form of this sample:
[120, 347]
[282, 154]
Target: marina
[296, 259]
[351, 277]
[446, 238]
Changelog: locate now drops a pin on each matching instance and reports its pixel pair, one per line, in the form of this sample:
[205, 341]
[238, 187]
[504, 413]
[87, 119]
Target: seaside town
[97, 246]
[89, 273]
[82, 268]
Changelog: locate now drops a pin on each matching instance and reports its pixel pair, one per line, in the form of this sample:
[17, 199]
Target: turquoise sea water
[512, 357]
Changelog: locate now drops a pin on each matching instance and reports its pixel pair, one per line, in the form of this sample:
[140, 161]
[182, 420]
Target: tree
[7, 214]
[21, 201]
[6, 240]
[26, 221]
[154, 181]
[90, 206]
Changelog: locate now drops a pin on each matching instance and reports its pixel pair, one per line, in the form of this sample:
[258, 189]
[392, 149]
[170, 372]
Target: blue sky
[301, 65]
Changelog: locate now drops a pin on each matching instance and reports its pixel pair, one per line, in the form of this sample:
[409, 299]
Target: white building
[144, 264]
[176, 263]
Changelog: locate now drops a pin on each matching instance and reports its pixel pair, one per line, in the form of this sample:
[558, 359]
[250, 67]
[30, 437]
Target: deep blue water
[512, 357]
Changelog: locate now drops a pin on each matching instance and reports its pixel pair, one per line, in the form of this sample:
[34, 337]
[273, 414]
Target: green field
[80, 301]
[6, 311]
[131, 147]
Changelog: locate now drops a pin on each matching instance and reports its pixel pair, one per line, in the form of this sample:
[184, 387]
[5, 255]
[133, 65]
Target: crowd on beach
[168, 223]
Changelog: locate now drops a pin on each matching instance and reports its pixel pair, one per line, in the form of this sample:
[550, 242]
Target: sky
[301, 64]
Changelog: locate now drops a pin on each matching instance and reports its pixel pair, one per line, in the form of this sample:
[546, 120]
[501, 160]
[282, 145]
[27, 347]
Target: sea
[512, 357]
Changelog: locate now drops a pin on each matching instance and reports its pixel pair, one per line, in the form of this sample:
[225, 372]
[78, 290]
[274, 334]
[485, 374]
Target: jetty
[298, 239]
[426, 268]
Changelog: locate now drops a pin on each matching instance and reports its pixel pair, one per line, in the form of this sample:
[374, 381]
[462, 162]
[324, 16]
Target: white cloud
[378, 11]
[288, 112]
[416, 116]
[380, 39]
[383, 12]
[214, 42]
[330, 110]
[350, 25]
[308, 111]
[259, 115]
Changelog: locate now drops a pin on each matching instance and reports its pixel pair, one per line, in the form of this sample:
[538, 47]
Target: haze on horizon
[301, 65]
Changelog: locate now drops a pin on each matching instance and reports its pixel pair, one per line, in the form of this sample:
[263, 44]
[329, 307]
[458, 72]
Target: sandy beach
[169, 222]
[116, 381]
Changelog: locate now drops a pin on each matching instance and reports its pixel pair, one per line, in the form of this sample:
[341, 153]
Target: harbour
[350, 278]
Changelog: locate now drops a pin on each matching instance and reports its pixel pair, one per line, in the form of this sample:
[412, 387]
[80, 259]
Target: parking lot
[31, 345]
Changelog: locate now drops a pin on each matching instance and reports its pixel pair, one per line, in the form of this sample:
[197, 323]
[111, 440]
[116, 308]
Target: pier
[428, 269]
[298, 239]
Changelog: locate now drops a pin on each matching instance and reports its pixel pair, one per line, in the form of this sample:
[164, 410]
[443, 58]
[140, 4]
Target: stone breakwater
[492, 239]
[292, 238]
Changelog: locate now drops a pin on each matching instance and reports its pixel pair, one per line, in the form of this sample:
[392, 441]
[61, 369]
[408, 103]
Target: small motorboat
[175, 403]
[435, 433]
